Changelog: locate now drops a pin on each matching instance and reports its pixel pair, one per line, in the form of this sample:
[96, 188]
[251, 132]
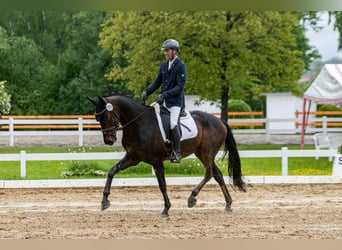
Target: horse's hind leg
[192, 200]
[219, 178]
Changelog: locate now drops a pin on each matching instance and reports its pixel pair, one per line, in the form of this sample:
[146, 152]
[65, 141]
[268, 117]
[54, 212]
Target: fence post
[11, 131]
[80, 132]
[22, 164]
[284, 161]
[267, 126]
[325, 124]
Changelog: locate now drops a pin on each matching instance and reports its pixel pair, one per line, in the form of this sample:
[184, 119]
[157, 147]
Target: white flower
[5, 98]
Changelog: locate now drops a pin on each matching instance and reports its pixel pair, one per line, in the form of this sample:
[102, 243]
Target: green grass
[188, 167]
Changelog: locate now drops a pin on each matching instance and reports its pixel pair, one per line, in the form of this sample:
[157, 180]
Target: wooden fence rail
[322, 113]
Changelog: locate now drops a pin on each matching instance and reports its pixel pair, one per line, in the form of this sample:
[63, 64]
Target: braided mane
[112, 94]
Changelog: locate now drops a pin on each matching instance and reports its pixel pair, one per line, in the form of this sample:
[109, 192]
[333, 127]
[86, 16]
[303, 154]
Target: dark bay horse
[144, 143]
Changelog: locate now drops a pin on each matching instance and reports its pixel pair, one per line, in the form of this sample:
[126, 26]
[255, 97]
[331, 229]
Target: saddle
[165, 118]
[186, 124]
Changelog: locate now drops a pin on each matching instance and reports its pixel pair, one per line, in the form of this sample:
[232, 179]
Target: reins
[116, 126]
[136, 118]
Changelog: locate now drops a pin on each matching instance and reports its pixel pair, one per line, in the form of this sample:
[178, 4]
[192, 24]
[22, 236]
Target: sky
[326, 40]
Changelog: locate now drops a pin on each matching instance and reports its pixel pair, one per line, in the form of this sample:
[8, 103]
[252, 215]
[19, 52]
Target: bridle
[109, 108]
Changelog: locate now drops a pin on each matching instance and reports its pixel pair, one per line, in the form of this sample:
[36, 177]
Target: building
[284, 105]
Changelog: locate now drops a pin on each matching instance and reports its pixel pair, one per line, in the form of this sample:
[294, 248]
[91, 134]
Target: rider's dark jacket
[172, 82]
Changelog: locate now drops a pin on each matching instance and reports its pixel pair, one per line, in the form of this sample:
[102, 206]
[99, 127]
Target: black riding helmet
[170, 44]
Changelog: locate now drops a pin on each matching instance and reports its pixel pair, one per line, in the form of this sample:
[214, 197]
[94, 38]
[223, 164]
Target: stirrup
[175, 157]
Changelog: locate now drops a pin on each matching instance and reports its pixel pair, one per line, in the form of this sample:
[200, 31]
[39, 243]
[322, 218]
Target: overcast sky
[326, 40]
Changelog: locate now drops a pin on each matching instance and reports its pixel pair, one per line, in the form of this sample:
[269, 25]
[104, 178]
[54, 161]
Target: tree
[83, 64]
[227, 53]
[5, 104]
[52, 60]
[46, 28]
[337, 15]
[309, 53]
[26, 71]
[34, 40]
[5, 98]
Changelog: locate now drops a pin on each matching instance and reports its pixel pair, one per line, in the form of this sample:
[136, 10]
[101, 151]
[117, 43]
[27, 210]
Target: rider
[172, 75]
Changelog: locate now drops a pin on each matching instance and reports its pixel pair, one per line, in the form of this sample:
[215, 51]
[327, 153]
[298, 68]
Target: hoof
[164, 214]
[192, 202]
[228, 210]
[105, 205]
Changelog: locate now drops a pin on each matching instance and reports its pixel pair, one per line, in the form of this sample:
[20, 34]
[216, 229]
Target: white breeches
[174, 115]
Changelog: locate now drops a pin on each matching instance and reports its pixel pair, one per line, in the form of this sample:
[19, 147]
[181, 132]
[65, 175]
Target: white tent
[326, 88]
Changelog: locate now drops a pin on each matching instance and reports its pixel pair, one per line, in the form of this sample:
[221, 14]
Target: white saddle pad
[189, 127]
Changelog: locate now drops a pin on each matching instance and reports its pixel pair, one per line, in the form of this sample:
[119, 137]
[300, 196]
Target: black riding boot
[175, 142]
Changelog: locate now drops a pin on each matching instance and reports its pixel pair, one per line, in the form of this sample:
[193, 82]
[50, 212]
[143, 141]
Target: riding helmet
[170, 44]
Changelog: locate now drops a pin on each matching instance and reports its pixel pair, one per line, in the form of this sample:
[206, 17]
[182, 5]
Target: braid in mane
[124, 95]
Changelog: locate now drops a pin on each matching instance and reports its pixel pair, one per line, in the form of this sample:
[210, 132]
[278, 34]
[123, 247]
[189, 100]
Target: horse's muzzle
[110, 143]
[109, 139]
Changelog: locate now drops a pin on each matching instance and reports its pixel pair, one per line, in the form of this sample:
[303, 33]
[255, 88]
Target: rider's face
[169, 55]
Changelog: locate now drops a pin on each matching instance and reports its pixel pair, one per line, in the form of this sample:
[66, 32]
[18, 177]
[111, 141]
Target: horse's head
[109, 117]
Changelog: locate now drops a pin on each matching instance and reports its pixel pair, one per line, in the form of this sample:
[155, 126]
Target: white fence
[284, 154]
[81, 131]
[296, 129]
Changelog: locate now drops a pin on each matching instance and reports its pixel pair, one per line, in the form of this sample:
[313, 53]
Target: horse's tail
[234, 163]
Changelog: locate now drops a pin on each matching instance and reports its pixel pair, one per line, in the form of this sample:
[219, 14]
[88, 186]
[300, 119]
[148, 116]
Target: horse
[143, 142]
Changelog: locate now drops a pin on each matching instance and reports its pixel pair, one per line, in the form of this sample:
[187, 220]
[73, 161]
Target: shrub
[5, 105]
[83, 168]
[238, 106]
[328, 107]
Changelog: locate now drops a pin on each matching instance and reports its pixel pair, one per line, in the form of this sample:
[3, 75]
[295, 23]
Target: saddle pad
[188, 125]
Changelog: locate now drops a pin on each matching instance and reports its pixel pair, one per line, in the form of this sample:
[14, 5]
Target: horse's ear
[101, 99]
[92, 101]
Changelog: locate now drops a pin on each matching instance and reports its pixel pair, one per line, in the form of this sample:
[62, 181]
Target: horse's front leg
[121, 165]
[159, 170]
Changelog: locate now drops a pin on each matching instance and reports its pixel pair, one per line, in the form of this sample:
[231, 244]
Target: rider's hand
[143, 96]
[160, 99]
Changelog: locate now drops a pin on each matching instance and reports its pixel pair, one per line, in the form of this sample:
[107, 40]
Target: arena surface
[301, 211]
